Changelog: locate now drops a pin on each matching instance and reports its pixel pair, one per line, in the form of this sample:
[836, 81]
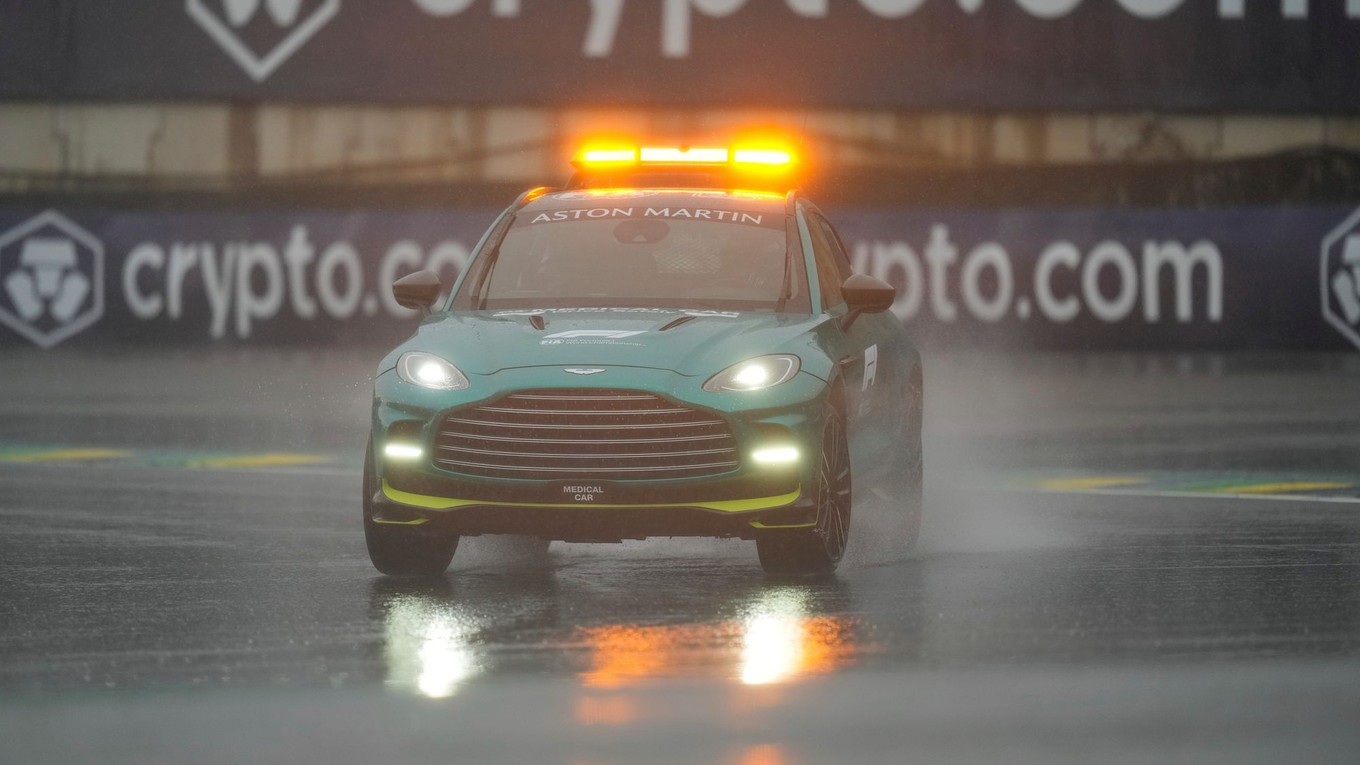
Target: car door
[876, 364]
[857, 348]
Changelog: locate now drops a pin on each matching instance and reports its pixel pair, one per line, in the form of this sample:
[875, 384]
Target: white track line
[1151, 493]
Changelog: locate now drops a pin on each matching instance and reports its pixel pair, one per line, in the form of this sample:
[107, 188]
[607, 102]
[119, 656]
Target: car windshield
[647, 256]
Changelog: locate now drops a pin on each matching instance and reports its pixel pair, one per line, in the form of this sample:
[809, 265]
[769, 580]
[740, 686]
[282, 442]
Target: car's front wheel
[399, 550]
[817, 550]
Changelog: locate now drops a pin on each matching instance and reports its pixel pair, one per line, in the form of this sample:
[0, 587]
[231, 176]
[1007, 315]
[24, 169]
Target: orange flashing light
[606, 157]
[766, 157]
[684, 155]
[755, 157]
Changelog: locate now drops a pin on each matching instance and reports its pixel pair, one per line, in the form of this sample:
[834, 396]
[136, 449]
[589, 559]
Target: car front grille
[579, 434]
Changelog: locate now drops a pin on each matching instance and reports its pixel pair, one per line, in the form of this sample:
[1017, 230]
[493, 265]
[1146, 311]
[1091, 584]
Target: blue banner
[1281, 277]
[1258, 56]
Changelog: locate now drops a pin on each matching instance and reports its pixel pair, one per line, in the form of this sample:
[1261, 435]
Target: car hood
[691, 343]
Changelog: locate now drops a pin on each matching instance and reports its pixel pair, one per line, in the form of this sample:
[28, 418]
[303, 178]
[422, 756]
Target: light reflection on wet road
[255, 578]
[117, 581]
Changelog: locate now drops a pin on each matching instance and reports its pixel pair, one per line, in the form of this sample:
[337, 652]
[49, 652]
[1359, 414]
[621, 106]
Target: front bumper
[589, 522]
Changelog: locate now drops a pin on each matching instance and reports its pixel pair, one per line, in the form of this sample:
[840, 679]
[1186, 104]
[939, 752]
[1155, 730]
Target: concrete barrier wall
[169, 143]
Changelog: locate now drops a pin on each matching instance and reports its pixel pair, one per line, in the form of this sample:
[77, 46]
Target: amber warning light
[684, 155]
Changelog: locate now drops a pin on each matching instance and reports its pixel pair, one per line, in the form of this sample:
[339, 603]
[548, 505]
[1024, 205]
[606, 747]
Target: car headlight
[429, 371]
[755, 374]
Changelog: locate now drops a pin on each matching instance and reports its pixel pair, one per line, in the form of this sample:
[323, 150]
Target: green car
[650, 352]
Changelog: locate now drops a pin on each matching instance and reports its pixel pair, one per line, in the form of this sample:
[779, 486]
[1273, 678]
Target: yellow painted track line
[261, 460]
[1283, 488]
[1170, 494]
[66, 455]
[168, 458]
[1094, 482]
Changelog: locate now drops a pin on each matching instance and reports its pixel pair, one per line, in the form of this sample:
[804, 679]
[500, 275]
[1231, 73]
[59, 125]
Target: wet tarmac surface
[182, 563]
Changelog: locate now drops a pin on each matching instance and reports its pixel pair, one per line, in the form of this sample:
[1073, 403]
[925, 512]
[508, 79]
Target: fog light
[776, 455]
[403, 451]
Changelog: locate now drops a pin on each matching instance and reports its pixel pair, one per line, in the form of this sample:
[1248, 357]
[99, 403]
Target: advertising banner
[1262, 55]
[1240, 278]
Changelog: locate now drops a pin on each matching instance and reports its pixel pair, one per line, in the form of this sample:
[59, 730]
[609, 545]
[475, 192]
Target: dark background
[1099, 56]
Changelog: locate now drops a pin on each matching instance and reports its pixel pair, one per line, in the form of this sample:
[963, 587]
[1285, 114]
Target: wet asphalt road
[1126, 559]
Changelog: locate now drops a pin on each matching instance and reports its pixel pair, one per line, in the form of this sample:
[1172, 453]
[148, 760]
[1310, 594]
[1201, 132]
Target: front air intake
[617, 435]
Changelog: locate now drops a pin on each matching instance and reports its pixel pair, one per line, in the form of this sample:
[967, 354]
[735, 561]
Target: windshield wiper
[677, 321]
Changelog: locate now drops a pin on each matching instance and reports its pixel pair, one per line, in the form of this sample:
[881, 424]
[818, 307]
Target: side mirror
[418, 291]
[865, 294]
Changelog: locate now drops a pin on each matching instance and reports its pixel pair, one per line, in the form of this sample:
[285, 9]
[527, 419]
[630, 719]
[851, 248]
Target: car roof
[717, 199]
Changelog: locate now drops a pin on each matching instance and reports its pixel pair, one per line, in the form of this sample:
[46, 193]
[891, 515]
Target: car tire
[408, 552]
[817, 550]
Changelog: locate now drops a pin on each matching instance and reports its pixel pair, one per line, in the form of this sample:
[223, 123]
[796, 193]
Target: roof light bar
[770, 157]
[754, 157]
[607, 156]
[668, 155]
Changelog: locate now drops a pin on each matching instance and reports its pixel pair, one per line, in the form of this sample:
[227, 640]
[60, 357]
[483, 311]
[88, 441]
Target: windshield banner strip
[764, 218]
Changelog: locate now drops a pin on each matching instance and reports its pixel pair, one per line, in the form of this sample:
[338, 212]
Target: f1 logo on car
[1341, 278]
[51, 279]
[261, 42]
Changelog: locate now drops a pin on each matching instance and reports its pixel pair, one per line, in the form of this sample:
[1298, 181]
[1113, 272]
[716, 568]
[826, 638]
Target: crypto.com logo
[51, 279]
[1341, 278]
[261, 45]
